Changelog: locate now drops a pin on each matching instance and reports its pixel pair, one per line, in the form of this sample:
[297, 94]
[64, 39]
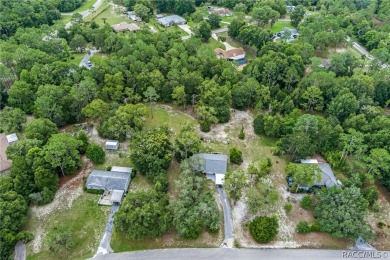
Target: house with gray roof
[171, 20]
[109, 180]
[213, 163]
[327, 176]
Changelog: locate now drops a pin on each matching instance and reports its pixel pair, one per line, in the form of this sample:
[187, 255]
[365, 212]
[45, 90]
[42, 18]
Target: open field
[84, 218]
[111, 16]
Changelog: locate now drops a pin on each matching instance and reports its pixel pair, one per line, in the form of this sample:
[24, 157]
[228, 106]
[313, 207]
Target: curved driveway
[226, 253]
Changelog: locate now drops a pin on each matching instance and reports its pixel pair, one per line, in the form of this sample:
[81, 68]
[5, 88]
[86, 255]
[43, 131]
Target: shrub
[60, 239]
[306, 202]
[315, 227]
[375, 207]
[264, 229]
[108, 168]
[96, 153]
[222, 38]
[371, 195]
[381, 224]
[288, 207]
[241, 136]
[204, 126]
[235, 156]
[303, 227]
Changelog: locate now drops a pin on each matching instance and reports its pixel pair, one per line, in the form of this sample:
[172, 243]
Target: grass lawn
[98, 11]
[228, 18]
[110, 16]
[98, 58]
[213, 44]
[278, 26]
[85, 219]
[86, 6]
[77, 58]
[65, 19]
[164, 115]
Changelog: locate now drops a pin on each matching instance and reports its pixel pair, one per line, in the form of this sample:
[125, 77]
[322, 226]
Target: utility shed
[108, 180]
[213, 163]
[12, 138]
[112, 144]
[121, 169]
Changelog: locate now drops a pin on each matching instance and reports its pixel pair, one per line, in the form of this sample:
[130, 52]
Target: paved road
[85, 13]
[104, 247]
[224, 29]
[20, 251]
[221, 254]
[83, 62]
[227, 218]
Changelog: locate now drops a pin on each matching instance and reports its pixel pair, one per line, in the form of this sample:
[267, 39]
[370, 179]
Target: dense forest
[337, 112]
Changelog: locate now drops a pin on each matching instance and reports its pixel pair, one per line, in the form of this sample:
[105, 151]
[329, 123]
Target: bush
[303, 227]
[235, 156]
[381, 224]
[204, 126]
[96, 153]
[306, 202]
[264, 229]
[222, 38]
[371, 195]
[60, 239]
[288, 207]
[315, 227]
[375, 207]
[241, 136]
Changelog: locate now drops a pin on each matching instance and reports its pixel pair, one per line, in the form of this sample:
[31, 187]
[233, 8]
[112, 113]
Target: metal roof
[108, 180]
[214, 163]
[112, 142]
[309, 161]
[12, 138]
[121, 169]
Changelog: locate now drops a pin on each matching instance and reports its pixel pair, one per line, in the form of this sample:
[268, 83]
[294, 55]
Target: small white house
[12, 138]
[112, 144]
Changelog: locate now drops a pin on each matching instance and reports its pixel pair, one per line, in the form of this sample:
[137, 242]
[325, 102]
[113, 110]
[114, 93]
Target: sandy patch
[63, 200]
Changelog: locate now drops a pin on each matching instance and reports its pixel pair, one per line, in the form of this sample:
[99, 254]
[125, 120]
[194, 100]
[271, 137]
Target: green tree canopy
[144, 214]
[40, 129]
[342, 212]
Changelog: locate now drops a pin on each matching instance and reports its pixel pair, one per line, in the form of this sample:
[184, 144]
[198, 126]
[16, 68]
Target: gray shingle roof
[328, 179]
[171, 20]
[214, 163]
[110, 180]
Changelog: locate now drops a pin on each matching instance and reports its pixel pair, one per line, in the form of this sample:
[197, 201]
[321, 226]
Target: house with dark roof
[327, 176]
[171, 20]
[213, 163]
[237, 55]
[109, 180]
[214, 166]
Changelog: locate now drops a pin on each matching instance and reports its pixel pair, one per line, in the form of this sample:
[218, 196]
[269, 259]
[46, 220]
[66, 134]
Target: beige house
[237, 55]
[123, 27]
